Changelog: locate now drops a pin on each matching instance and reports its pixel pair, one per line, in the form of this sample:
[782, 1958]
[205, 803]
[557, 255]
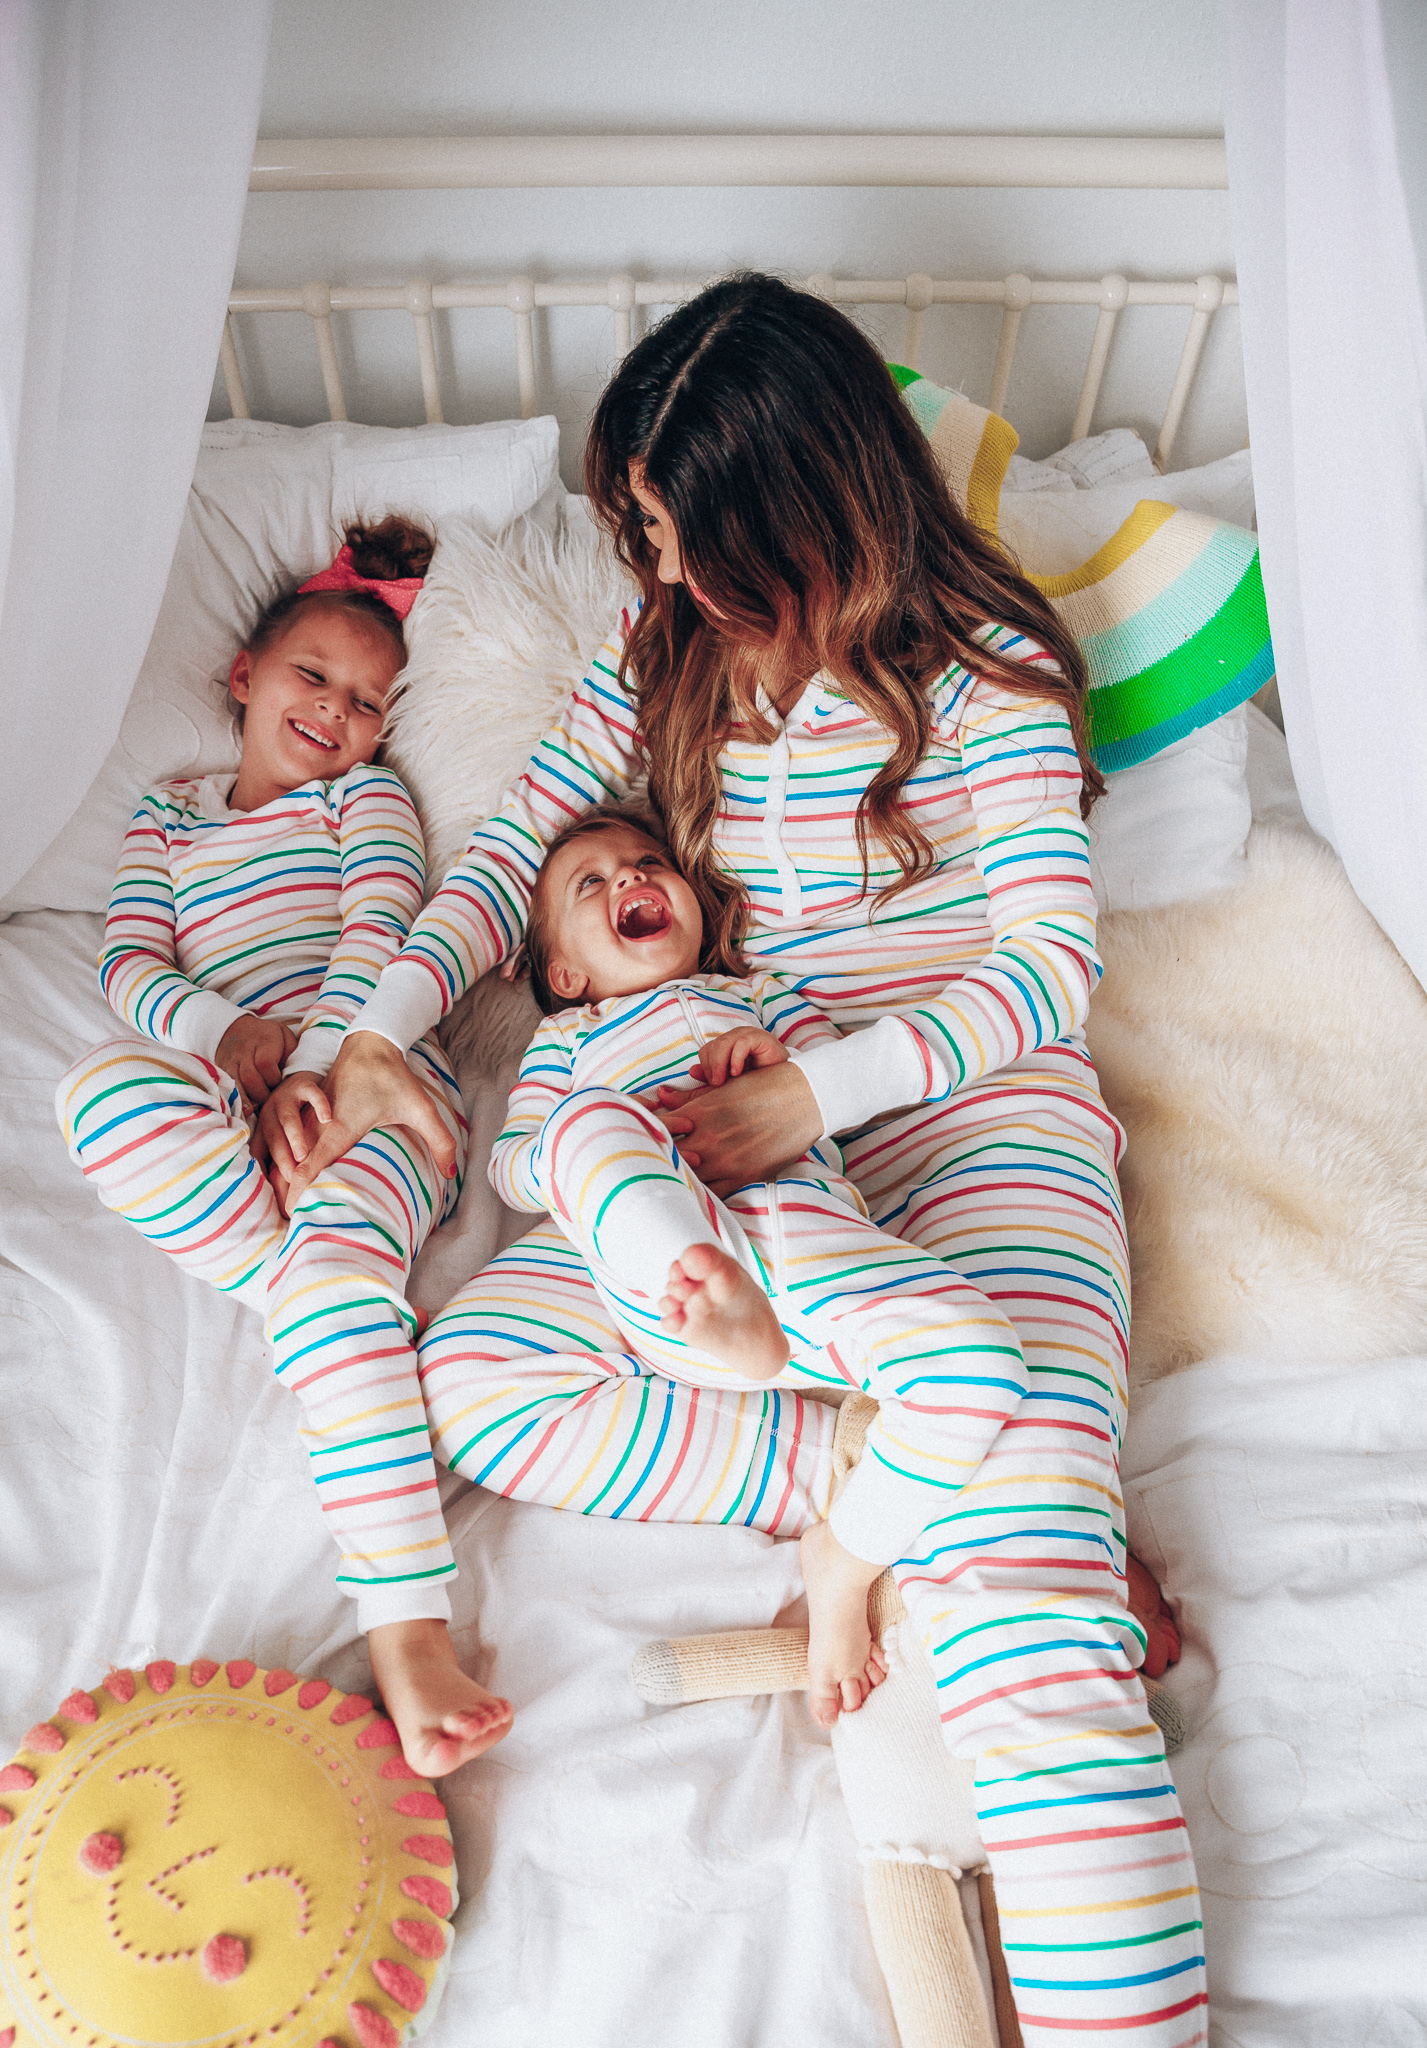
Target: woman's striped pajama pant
[161, 1136]
[1016, 1588]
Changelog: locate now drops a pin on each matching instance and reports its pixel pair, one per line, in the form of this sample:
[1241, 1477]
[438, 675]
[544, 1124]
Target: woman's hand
[288, 1125]
[252, 1051]
[370, 1084]
[745, 1129]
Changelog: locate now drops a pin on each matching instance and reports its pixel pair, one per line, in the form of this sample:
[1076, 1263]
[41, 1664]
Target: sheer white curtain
[1329, 213]
[126, 132]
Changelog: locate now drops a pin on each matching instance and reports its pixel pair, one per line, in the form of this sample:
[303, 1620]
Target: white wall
[373, 67]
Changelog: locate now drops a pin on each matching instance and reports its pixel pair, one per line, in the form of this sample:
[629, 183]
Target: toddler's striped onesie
[860, 1308]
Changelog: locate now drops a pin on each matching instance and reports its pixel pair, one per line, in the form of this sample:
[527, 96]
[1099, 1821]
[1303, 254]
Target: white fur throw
[502, 631]
[1266, 1051]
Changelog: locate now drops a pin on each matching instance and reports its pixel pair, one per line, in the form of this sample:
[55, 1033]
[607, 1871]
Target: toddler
[783, 1279]
[248, 923]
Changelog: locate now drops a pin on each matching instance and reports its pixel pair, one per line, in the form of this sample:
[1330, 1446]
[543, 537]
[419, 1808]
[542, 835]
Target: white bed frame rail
[492, 162]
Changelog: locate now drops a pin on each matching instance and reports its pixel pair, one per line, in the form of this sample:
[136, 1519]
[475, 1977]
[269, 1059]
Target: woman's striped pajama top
[993, 1152]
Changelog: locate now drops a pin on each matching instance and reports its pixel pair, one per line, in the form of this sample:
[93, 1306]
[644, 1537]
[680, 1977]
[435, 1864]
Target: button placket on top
[775, 806]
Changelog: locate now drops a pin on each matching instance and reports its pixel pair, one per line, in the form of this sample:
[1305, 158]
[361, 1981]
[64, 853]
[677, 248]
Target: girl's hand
[252, 1051]
[370, 1084]
[288, 1125]
[734, 1051]
[747, 1129]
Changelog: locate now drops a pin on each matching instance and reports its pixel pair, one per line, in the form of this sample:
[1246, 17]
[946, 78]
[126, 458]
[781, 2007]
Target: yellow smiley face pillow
[219, 1854]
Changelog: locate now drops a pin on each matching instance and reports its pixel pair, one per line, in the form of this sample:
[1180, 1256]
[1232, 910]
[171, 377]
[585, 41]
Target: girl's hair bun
[392, 549]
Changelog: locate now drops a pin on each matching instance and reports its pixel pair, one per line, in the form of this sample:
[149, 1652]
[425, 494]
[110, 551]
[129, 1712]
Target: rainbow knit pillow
[1169, 613]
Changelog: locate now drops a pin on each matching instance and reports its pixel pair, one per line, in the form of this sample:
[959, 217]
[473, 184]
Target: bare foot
[844, 1663]
[1151, 1610]
[713, 1304]
[442, 1717]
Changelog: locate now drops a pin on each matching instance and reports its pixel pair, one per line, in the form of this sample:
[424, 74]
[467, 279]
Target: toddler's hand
[253, 1051]
[287, 1129]
[731, 1052]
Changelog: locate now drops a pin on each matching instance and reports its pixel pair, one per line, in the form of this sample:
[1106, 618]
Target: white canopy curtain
[126, 135]
[1335, 358]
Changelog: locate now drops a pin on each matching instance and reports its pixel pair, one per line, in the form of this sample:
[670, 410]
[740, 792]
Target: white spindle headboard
[445, 163]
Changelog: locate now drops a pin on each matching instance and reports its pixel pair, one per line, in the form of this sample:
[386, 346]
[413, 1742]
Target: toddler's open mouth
[645, 916]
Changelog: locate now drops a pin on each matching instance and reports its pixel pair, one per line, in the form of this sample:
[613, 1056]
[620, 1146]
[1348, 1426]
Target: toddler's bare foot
[843, 1662]
[717, 1307]
[442, 1717]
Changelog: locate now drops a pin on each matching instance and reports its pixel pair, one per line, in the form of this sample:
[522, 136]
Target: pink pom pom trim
[224, 1959]
[44, 1738]
[15, 1778]
[5, 1816]
[239, 1672]
[397, 1767]
[278, 1681]
[351, 1709]
[400, 1983]
[79, 1707]
[422, 1937]
[381, 1735]
[372, 2029]
[312, 1695]
[161, 1675]
[201, 1670]
[120, 1686]
[419, 1806]
[429, 1891]
[430, 1848]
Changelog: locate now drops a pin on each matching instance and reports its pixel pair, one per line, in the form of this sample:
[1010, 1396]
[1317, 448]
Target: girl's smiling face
[316, 700]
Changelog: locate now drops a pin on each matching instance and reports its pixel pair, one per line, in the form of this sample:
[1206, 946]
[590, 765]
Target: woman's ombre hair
[820, 535]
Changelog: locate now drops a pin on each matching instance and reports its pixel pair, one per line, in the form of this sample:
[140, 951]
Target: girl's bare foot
[442, 1717]
[717, 1307]
[844, 1663]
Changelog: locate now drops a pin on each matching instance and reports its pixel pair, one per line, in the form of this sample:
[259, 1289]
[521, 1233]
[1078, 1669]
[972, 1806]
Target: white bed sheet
[632, 1875]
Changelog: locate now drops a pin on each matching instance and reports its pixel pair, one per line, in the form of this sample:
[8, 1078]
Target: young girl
[249, 920]
[866, 732]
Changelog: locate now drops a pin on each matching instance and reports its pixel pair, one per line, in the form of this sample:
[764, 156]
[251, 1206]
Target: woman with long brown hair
[865, 733]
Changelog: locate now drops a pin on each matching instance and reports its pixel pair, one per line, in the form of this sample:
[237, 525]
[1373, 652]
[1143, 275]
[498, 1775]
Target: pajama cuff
[315, 1050]
[425, 1601]
[887, 1066]
[404, 1005]
[199, 1022]
[880, 1513]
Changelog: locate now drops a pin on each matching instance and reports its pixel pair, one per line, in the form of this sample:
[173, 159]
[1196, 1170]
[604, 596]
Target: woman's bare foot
[843, 1661]
[442, 1717]
[717, 1307]
[1151, 1610]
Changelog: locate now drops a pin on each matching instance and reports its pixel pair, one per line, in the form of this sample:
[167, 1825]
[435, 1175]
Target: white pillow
[1062, 519]
[265, 511]
[1175, 826]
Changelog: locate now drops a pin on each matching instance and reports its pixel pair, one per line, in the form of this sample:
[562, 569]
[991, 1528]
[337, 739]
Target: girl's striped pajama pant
[1016, 1586]
[162, 1137]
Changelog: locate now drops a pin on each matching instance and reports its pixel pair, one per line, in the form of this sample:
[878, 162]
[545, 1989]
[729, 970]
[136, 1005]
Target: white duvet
[634, 1877]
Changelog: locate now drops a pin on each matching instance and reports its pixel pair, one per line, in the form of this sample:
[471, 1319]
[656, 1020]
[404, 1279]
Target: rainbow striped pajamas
[860, 1308]
[290, 911]
[976, 1134]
